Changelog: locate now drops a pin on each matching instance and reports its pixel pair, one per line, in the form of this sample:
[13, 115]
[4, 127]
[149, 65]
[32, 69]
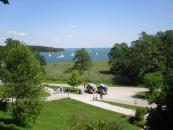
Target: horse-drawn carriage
[102, 89]
[91, 88]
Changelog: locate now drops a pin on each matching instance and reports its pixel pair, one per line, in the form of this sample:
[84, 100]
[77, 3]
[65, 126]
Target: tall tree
[75, 79]
[160, 118]
[120, 62]
[82, 60]
[4, 1]
[22, 77]
[146, 54]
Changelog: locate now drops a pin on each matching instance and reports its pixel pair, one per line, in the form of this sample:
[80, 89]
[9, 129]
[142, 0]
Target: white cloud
[15, 33]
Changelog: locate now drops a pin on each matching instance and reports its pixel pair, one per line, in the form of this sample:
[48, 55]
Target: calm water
[68, 54]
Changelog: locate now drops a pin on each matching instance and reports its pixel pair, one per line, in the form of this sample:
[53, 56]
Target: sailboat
[72, 54]
[96, 53]
[61, 56]
[49, 55]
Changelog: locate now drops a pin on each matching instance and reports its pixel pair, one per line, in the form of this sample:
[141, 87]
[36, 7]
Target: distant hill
[44, 49]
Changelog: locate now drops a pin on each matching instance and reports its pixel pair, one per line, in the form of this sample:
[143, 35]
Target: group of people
[95, 98]
[59, 90]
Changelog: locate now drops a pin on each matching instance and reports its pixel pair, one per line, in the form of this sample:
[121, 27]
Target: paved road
[88, 99]
[124, 95]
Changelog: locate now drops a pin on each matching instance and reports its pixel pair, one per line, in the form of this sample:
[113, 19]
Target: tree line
[148, 60]
[45, 49]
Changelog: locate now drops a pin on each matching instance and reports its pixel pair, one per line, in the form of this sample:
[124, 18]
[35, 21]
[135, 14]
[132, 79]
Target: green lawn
[59, 72]
[57, 115]
[123, 105]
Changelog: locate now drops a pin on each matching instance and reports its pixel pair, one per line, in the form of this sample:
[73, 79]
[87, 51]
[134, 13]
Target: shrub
[81, 122]
[153, 81]
[4, 105]
[140, 112]
[71, 90]
[139, 119]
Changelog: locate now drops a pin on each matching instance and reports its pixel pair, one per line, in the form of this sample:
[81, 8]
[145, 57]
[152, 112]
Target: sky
[83, 23]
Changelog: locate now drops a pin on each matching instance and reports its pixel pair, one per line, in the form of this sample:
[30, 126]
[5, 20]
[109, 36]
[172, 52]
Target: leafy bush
[4, 105]
[140, 112]
[81, 122]
[71, 90]
[45, 94]
[139, 119]
[153, 81]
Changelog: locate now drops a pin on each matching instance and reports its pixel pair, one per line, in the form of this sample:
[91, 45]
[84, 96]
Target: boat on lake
[61, 56]
[49, 55]
[72, 54]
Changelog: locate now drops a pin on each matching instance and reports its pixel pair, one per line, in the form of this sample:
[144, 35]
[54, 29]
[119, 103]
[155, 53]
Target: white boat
[61, 56]
[49, 55]
[96, 53]
[72, 54]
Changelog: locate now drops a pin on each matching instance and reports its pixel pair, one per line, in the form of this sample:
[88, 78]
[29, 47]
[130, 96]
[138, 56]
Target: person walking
[101, 96]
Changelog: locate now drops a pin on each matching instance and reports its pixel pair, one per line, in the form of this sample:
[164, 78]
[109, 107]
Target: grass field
[57, 115]
[59, 72]
[123, 105]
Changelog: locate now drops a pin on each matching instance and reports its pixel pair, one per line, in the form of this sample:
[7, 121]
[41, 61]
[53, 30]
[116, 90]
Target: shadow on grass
[11, 127]
[7, 124]
[105, 72]
[6, 121]
[138, 96]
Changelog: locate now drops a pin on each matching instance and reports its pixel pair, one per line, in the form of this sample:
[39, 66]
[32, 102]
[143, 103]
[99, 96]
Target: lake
[97, 54]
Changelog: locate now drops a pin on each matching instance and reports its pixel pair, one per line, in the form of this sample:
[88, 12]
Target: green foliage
[132, 62]
[140, 113]
[72, 90]
[139, 118]
[22, 77]
[153, 81]
[82, 60]
[46, 94]
[81, 122]
[119, 62]
[149, 57]
[41, 58]
[75, 79]
[4, 1]
[119, 58]
[4, 105]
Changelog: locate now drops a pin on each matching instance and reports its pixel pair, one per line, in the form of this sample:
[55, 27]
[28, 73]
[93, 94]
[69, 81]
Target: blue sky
[83, 23]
